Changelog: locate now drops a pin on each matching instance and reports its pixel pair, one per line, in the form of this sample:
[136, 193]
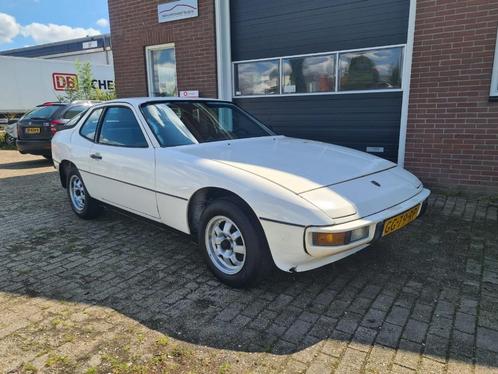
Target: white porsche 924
[251, 198]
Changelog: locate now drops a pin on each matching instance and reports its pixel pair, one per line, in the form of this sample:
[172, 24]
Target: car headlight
[332, 239]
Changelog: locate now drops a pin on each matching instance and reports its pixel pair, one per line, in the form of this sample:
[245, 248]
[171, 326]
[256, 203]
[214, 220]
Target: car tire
[81, 202]
[9, 140]
[226, 230]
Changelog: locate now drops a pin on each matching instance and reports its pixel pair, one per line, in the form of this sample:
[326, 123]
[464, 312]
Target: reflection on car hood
[296, 164]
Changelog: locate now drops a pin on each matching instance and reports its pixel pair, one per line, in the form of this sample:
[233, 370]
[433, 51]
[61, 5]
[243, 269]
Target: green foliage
[85, 89]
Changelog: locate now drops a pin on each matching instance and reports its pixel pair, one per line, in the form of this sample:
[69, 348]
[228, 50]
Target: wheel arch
[201, 199]
[64, 168]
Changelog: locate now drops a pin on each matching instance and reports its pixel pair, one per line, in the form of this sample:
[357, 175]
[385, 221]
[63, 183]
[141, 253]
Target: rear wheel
[81, 202]
[234, 244]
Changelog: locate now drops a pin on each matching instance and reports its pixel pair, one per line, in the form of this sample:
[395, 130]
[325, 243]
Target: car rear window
[42, 112]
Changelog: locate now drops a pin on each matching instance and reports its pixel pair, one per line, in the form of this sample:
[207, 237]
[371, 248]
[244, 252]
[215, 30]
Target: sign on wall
[190, 93]
[176, 10]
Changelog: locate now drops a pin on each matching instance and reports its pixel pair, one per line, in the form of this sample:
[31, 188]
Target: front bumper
[34, 147]
[302, 256]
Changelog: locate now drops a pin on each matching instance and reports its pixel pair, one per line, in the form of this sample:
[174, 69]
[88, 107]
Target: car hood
[296, 164]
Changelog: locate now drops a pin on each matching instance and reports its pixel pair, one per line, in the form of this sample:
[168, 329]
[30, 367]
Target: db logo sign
[63, 82]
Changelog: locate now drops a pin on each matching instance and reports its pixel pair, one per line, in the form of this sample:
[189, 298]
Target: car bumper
[291, 249]
[34, 147]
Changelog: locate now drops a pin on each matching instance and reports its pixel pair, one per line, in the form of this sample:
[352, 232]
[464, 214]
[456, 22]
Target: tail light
[54, 125]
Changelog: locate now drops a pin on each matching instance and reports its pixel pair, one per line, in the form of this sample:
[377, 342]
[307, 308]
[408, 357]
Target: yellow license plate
[32, 130]
[401, 220]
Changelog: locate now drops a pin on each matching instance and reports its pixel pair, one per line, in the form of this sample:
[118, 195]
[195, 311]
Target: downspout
[407, 72]
[223, 49]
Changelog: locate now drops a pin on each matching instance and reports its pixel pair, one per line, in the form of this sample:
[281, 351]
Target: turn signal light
[331, 239]
[327, 239]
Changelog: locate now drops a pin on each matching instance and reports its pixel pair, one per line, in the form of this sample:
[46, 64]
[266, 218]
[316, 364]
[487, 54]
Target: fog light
[359, 234]
[327, 239]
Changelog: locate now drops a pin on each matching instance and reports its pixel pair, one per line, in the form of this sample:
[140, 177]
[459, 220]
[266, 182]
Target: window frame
[101, 122]
[493, 89]
[337, 56]
[148, 67]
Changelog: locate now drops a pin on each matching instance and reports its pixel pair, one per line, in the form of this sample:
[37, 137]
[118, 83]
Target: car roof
[136, 101]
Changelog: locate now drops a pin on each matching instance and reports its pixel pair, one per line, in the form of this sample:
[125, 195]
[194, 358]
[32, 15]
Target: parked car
[36, 128]
[250, 197]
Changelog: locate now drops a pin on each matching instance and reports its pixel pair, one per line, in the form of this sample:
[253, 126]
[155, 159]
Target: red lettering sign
[64, 81]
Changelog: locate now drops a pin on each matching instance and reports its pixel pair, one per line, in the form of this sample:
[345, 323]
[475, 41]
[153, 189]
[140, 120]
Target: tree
[85, 89]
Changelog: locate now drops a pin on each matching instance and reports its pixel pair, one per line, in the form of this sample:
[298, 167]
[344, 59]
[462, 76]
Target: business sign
[90, 44]
[64, 81]
[190, 93]
[176, 10]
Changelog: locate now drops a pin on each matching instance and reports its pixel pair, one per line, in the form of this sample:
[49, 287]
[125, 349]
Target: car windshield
[42, 112]
[187, 122]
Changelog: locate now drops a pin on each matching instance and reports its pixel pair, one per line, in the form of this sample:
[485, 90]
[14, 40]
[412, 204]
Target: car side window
[89, 128]
[120, 128]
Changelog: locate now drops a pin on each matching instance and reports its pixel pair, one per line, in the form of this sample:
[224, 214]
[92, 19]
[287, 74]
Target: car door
[123, 163]
[82, 142]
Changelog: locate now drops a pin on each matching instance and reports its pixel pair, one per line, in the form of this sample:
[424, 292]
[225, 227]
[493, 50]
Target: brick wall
[452, 138]
[134, 25]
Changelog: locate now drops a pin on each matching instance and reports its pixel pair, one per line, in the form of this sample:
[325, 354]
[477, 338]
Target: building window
[161, 70]
[257, 78]
[308, 74]
[374, 69]
[494, 80]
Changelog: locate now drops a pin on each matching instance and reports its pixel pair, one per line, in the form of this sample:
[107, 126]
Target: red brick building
[410, 81]
[452, 137]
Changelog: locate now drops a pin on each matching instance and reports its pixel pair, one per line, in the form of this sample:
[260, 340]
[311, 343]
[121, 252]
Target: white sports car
[251, 198]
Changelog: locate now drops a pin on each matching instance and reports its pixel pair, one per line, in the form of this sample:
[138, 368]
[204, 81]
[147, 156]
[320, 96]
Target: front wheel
[234, 244]
[81, 202]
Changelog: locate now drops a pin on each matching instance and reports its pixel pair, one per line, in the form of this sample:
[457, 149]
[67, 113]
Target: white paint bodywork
[294, 186]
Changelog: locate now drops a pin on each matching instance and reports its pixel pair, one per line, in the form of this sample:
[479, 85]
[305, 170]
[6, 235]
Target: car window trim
[101, 120]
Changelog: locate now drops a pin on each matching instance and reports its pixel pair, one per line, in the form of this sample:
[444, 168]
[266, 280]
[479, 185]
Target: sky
[30, 22]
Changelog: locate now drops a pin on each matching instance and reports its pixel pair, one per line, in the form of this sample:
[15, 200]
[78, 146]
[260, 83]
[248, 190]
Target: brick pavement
[121, 295]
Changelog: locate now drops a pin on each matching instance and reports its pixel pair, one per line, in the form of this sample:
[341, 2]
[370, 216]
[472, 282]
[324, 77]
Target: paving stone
[336, 344]
[374, 318]
[389, 335]
[415, 331]
[398, 316]
[436, 348]
[322, 364]
[487, 339]
[297, 331]
[465, 322]
[441, 326]
[408, 354]
[425, 299]
[352, 361]
[379, 360]
[363, 339]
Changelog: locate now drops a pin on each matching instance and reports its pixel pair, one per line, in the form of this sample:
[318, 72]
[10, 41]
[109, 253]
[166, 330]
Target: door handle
[96, 156]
